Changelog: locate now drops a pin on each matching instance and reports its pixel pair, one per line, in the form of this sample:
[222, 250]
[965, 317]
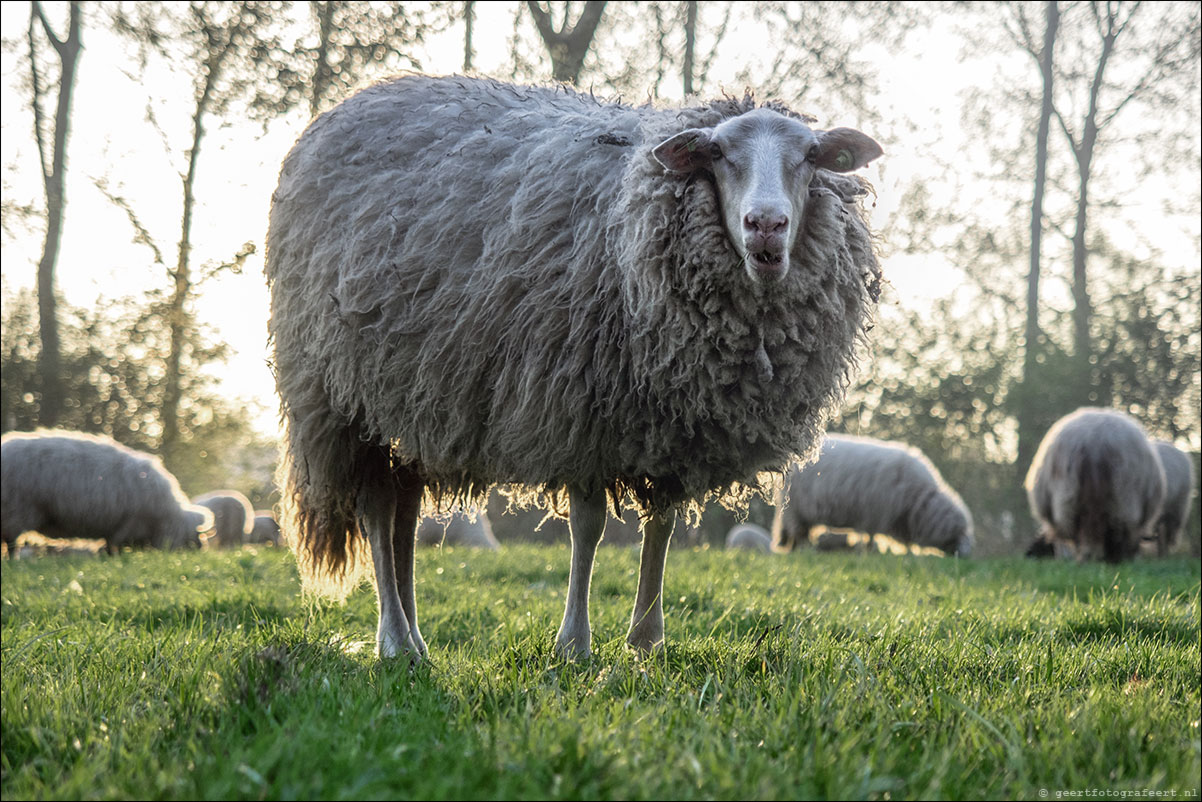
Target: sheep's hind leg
[377, 511]
[647, 623]
[409, 500]
[587, 525]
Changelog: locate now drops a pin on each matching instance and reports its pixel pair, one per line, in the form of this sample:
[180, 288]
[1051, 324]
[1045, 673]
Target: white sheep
[751, 537]
[874, 487]
[265, 529]
[1179, 490]
[478, 284]
[459, 529]
[74, 485]
[233, 518]
[1096, 485]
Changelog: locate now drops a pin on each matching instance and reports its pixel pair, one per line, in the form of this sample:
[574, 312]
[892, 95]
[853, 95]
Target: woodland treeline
[1047, 202]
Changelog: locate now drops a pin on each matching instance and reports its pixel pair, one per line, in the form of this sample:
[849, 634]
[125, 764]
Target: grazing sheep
[479, 284]
[751, 537]
[265, 529]
[233, 518]
[73, 485]
[1096, 485]
[873, 487]
[458, 530]
[1179, 488]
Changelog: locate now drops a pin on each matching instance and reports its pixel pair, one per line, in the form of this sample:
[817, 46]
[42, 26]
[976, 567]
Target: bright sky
[111, 140]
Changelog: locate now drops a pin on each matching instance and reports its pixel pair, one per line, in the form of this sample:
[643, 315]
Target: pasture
[207, 675]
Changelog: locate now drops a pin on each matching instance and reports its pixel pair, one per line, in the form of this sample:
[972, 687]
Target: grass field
[207, 675]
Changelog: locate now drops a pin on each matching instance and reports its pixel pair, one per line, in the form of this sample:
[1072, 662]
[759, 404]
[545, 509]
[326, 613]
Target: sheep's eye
[844, 159]
[812, 154]
[715, 151]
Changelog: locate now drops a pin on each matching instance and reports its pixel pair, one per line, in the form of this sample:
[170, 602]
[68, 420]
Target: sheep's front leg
[377, 511]
[647, 623]
[408, 508]
[587, 524]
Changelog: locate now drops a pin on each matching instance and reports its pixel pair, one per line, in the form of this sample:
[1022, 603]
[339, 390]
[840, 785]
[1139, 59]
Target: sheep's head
[188, 527]
[762, 163]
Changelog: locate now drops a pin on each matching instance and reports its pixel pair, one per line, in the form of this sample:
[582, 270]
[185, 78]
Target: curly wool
[500, 285]
[74, 485]
[1097, 483]
[874, 487]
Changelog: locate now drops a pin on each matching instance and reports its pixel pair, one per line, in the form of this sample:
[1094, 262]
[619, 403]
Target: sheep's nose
[766, 222]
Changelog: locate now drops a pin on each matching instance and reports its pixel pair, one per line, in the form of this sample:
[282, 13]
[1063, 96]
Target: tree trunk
[1029, 425]
[322, 75]
[469, 18]
[569, 45]
[690, 43]
[50, 361]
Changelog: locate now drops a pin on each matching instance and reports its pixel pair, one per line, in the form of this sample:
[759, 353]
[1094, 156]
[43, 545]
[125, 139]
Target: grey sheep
[1095, 486]
[478, 284]
[459, 529]
[233, 518]
[74, 485]
[749, 537]
[265, 529]
[1179, 490]
[874, 487]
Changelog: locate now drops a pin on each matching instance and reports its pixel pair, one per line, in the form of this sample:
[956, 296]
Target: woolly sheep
[458, 530]
[265, 529]
[751, 537]
[875, 487]
[1096, 486]
[73, 485]
[478, 284]
[233, 518]
[1179, 488]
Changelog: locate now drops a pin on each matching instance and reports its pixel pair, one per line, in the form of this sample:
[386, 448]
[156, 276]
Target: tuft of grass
[208, 675]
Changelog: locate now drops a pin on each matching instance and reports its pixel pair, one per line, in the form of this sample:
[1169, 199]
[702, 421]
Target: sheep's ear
[685, 152]
[842, 150]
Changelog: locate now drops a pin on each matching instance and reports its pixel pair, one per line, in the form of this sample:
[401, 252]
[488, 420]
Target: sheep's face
[762, 163]
[191, 522]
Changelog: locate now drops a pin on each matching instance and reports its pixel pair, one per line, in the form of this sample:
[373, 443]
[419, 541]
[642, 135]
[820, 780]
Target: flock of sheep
[476, 284]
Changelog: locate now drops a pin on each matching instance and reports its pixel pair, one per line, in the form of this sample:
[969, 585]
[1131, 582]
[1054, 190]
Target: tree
[225, 47]
[1029, 433]
[54, 167]
[569, 44]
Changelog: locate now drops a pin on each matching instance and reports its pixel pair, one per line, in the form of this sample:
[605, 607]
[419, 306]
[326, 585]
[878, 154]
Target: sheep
[458, 530]
[874, 487]
[750, 537]
[477, 284]
[1096, 486]
[233, 518]
[1179, 488]
[265, 529]
[74, 485]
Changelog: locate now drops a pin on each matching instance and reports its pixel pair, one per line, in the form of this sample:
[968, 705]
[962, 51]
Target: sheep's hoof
[645, 643]
[573, 649]
[388, 647]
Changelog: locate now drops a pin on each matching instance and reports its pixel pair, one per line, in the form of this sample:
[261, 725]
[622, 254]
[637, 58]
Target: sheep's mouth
[767, 264]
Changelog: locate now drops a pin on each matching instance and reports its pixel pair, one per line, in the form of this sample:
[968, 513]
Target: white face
[761, 166]
[762, 163]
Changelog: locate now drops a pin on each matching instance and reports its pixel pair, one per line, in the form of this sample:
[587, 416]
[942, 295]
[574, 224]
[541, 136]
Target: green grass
[207, 675]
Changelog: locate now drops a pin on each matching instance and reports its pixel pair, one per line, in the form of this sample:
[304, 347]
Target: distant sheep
[1179, 489]
[265, 530]
[874, 487]
[73, 485]
[1096, 486]
[751, 537]
[458, 530]
[233, 518]
[478, 284]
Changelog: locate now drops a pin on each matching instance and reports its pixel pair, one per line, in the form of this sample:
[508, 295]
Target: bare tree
[569, 44]
[469, 19]
[1029, 430]
[54, 168]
